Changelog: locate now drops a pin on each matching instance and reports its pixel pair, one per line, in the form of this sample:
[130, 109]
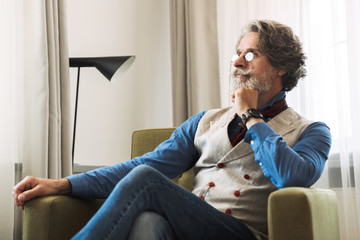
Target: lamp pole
[75, 114]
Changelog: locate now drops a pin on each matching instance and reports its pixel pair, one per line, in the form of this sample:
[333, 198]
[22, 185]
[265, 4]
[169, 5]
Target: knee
[150, 225]
[143, 168]
[150, 219]
[140, 175]
[144, 171]
[138, 178]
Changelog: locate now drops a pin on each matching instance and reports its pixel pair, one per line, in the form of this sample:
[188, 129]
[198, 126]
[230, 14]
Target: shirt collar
[276, 98]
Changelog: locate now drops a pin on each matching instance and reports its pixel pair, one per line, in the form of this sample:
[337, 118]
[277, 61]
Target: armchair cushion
[303, 213]
[57, 217]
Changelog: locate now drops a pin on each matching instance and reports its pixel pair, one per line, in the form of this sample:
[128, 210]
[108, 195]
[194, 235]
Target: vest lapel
[227, 152]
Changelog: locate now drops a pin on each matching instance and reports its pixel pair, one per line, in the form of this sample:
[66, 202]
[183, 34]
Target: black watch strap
[251, 112]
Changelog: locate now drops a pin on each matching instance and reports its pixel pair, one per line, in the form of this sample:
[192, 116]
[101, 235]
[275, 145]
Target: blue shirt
[301, 165]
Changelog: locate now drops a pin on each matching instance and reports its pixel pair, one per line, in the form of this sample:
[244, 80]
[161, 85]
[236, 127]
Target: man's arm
[172, 157]
[300, 165]
[31, 187]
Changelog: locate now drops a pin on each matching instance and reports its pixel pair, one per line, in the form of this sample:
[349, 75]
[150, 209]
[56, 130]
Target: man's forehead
[248, 42]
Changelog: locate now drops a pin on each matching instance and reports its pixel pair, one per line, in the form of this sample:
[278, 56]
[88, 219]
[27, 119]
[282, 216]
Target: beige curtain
[46, 130]
[194, 54]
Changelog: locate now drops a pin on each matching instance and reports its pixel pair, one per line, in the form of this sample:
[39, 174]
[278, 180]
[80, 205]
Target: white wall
[109, 112]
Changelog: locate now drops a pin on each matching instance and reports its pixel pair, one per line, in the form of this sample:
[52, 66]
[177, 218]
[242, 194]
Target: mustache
[246, 73]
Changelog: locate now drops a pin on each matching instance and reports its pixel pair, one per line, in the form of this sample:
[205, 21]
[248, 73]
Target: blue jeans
[150, 225]
[145, 189]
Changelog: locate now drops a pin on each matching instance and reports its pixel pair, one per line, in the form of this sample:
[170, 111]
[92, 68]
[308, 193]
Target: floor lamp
[111, 67]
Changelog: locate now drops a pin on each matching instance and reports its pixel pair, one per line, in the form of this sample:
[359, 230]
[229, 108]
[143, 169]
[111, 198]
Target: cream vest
[227, 177]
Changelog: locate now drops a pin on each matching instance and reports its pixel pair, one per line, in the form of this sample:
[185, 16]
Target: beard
[261, 83]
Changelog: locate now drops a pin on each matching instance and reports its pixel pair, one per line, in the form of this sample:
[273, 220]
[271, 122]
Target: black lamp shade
[111, 67]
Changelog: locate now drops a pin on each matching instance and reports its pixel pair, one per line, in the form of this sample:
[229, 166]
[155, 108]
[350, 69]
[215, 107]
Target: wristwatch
[251, 112]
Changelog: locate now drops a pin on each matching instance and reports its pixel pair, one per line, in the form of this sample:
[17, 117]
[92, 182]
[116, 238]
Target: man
[240, 155]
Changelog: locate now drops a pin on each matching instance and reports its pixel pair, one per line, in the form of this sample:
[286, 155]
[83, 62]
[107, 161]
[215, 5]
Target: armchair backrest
[147, 140]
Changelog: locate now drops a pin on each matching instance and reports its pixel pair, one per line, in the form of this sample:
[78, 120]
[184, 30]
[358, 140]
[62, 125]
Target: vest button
[220, 165]
[228, 211]
[211, 184]
[237, 193]
[246, 176]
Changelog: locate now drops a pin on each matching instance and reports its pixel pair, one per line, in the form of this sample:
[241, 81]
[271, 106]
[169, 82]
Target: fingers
[28, 195]
[24, 191]
[245, 97]
[31, 187]
[22, 198]
[17, 190]
[16, 199]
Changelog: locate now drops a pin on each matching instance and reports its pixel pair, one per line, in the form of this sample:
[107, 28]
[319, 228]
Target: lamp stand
[75, 114]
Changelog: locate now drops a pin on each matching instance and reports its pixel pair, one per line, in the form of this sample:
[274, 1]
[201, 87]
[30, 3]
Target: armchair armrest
[57, 217]
[303, 213]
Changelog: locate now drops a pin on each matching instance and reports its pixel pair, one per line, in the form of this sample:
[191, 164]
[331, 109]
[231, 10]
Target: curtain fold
[330, 91]
[46, 140]
[59, 141]
[194, 56]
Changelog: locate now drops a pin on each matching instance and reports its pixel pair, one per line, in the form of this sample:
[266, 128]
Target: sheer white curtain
[330, 33]
[7, 119]
[35, 122]
[332, 91]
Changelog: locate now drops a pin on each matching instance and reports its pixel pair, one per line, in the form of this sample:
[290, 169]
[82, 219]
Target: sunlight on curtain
[30, 36]
[7, 118]
[330, 33]
[331, 91]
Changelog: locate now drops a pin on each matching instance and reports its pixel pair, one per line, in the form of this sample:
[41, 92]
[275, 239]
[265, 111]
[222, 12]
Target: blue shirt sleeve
[301, 165]
[172, 157]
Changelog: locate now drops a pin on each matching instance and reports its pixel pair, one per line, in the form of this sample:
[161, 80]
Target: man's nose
[239, 61]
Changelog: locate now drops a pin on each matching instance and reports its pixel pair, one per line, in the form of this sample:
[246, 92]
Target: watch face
[252, 112]
[255, 113]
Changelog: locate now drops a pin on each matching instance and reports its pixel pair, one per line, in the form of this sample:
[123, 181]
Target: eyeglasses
[249, 56]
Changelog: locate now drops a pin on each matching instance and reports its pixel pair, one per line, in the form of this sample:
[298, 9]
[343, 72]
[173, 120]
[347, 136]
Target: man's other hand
[32, 187]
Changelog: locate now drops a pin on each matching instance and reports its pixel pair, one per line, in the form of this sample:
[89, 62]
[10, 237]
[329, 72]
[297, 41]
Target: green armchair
[293, 213]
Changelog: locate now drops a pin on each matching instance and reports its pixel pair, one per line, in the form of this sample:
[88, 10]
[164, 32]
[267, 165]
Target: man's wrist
[64, 186]
[252, 121]
[250, 113]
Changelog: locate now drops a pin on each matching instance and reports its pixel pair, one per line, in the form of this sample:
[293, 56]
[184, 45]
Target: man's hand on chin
[244, 98]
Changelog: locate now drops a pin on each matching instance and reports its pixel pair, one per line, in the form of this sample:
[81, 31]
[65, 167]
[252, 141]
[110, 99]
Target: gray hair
[282, 47]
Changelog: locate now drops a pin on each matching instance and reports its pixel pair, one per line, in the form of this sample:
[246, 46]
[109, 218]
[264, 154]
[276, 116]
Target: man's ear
[281, 73]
